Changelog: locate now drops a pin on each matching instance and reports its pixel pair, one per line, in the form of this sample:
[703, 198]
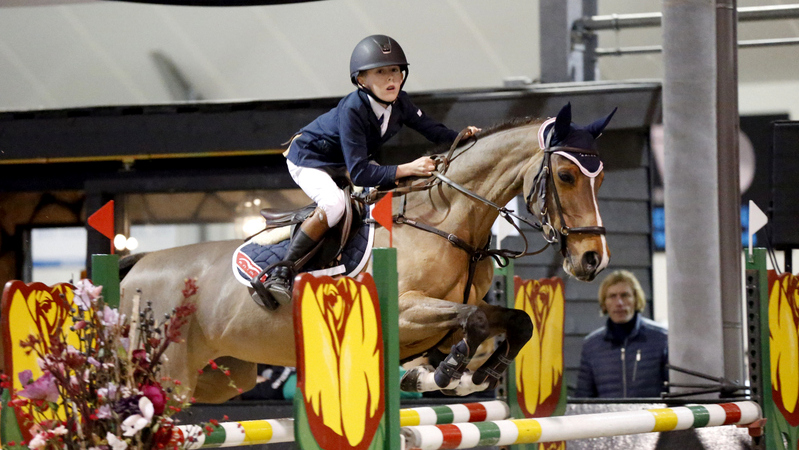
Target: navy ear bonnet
[560, 131]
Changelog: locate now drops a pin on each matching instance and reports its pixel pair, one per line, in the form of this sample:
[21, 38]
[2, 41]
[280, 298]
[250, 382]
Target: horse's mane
[507, 125]
[493, 129]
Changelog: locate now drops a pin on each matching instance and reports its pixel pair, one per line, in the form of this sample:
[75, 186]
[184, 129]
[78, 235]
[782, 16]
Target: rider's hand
[471, 131]
[422, 167]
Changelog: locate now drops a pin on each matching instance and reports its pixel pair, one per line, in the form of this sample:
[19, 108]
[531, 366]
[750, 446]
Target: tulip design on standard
[559, 445]
[539, 365]
[340, 359]
[783, 318]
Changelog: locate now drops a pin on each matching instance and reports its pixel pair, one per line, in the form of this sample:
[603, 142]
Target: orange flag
[384, 215]
[103, 221]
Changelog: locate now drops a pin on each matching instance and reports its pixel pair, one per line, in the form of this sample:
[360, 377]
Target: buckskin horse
[443, 274]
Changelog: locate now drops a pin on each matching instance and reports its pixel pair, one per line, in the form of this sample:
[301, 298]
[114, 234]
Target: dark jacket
[635, 367]
[348, 136]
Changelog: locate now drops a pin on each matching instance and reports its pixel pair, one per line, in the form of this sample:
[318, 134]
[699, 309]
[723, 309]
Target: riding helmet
[375, 51]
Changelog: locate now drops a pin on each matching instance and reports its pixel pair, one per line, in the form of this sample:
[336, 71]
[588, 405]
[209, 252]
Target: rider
[344, 140]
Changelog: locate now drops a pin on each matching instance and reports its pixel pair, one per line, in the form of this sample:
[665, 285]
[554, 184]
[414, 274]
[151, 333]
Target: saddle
[324, 254]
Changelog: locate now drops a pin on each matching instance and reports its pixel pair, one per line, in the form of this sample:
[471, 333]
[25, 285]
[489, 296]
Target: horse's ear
[596, 128]
[563, 123]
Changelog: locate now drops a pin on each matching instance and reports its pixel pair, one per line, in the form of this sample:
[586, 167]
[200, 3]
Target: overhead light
[252, 224]
[125, 243]
[119, 241]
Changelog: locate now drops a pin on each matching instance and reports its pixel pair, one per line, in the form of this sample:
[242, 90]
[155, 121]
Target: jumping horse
[443, 260]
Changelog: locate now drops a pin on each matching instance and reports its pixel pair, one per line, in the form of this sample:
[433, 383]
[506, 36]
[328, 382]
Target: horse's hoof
[422, 379]
[264, 300]
[466, 386]
[410, 380]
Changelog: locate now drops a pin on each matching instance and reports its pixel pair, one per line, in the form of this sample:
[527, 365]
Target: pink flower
[104, 412]
[38, 441]
[110, 316]
[85, 293]
[156, 395]
[42, 389]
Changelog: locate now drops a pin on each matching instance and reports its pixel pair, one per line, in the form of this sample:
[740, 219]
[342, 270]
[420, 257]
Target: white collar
[379, 109]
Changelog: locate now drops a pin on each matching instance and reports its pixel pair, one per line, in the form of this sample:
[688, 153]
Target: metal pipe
[650, 49]
[644, 20]
[729, 192]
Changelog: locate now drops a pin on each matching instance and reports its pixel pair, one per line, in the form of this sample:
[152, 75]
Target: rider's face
[384, 82]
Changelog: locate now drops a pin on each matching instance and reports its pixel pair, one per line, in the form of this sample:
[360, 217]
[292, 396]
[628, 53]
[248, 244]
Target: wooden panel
[629, 250]
[625, 184]
[622, 216]
[582, 317]
[572, 345]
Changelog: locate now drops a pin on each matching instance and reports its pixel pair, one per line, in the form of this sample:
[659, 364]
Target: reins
[542, 182]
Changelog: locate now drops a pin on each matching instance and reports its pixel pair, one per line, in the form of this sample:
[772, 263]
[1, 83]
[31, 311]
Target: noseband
[542, 183]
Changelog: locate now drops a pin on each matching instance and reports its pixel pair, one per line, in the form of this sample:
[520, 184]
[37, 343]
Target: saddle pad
[251, 258]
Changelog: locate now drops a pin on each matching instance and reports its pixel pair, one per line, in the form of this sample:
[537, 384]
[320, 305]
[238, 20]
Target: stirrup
[262, 297]
[279, 284]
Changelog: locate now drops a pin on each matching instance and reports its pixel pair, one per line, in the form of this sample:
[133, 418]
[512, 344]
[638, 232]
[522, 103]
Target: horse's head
[562, 193]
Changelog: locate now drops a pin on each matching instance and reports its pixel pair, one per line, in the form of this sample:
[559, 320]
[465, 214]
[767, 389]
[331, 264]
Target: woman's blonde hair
[618, 277]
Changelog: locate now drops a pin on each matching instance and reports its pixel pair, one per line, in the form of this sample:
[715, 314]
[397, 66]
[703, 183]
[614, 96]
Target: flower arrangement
[106, 393]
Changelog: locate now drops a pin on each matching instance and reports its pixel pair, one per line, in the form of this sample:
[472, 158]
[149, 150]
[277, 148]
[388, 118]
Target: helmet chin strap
[372, 94]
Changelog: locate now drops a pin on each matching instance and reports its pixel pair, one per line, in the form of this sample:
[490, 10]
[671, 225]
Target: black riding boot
[280, 281]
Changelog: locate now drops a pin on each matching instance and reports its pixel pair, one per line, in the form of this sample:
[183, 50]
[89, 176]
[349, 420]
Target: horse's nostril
[590, 260]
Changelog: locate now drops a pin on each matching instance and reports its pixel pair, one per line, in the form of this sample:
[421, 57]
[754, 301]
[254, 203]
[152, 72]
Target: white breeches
[321, 188]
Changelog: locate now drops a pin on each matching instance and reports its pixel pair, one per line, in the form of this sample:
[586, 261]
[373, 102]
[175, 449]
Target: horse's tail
[127, 262]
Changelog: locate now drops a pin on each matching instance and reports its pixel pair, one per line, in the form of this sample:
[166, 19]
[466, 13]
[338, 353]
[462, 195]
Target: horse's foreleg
[426, 320]
[450, 370]
[518, 330]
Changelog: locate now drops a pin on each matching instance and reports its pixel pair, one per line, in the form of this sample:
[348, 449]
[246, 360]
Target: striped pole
[232, 434]
[256, 432]
[456, 413]
[563, 428]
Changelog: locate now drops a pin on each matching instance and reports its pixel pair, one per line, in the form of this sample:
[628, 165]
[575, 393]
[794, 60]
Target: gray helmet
[376, 51]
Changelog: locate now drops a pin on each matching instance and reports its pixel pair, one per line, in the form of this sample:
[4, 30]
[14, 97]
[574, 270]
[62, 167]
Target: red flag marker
[383, 214]
[103, 221]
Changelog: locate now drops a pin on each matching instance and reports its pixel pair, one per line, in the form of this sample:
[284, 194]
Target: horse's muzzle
[586, 268]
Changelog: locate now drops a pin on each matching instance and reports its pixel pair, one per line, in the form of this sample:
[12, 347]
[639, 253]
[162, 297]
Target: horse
[443, 275]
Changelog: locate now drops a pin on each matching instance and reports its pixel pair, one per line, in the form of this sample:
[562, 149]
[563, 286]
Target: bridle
[537, 196]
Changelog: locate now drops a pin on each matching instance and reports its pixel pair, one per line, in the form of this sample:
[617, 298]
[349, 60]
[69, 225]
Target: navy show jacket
[633, 368]
[348, 136]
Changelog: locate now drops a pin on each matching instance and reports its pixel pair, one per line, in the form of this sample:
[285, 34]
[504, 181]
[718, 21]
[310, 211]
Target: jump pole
[271, 431]
[585, 426]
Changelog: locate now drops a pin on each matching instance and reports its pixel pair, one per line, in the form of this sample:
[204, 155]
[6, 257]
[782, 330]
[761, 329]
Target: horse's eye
[566, 177]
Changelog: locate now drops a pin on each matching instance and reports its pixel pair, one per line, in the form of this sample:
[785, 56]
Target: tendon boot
[281, 279]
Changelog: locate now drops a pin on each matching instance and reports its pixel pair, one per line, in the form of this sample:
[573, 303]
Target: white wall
[770, 97]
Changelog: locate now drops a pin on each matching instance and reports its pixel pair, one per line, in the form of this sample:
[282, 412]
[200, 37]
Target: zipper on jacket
[623, 373]
[637, 358]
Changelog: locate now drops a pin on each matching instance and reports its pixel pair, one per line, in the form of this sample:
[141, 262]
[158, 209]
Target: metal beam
[646, 20]
[650, 49]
